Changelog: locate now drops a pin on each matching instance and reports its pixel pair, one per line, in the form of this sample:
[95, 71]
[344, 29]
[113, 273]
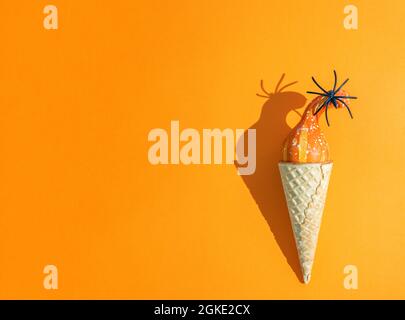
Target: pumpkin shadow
[265, 183]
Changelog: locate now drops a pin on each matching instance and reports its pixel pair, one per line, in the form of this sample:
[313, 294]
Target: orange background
[76, 186]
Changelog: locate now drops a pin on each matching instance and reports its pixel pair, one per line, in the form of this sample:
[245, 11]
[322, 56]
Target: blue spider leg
[344, 82]
[348, 109]
[318, 93]
[334, 85]
[334, 103]
[320, 108]
[319, 86]
[346, 97]
[326, 114]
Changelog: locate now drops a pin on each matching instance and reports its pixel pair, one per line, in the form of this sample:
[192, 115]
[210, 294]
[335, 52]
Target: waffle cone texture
[305, 187]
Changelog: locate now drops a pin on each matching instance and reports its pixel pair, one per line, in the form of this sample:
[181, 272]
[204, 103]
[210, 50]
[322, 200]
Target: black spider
[331, 97]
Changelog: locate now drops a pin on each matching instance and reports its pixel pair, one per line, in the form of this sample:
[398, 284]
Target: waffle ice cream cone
[305, 187]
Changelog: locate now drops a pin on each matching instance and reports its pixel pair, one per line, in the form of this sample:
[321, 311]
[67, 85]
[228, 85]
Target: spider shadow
[265, 183]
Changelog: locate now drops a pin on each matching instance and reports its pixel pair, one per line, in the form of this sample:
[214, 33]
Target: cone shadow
[265, 183]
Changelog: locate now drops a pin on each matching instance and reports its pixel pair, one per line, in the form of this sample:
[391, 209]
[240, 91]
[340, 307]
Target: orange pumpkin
[306, 143]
